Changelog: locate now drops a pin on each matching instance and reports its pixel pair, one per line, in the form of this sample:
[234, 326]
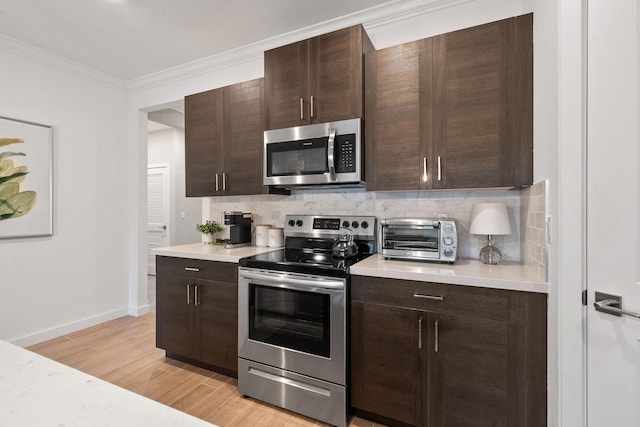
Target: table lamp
[491, 219]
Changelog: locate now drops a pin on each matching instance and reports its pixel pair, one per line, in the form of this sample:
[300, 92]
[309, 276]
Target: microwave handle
[331, 155]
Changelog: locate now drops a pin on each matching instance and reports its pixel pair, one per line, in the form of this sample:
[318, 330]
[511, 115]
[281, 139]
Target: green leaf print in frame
[26, 157]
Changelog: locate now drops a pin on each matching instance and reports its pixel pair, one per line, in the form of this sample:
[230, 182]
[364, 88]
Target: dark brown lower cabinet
[196, 319]
[422, 355]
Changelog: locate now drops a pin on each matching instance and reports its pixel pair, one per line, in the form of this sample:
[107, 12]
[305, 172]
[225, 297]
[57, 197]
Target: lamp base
[490, 254]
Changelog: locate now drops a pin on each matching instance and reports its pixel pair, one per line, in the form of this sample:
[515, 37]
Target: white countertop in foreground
[211, 252]
[467, 272]
[36, 391]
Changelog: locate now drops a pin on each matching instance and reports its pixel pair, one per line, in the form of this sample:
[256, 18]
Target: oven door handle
[286, 280]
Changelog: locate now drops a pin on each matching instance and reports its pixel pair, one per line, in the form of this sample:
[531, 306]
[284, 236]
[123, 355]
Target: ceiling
[128, 39]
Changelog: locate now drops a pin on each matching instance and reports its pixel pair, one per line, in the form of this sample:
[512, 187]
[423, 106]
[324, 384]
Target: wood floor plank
[123, 352]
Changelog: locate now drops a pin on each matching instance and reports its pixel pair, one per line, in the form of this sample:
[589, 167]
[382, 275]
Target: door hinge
[584, 297]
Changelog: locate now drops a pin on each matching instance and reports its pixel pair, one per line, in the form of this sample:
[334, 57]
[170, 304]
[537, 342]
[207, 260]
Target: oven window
[289, 318]
[412, 238]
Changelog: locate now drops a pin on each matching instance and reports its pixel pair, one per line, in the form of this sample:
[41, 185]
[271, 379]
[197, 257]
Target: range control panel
[362, 227]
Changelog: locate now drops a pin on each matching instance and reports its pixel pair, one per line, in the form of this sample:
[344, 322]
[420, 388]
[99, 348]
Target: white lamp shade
[490, 218]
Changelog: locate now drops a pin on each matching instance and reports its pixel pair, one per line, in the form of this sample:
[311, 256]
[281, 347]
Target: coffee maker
[239, 228]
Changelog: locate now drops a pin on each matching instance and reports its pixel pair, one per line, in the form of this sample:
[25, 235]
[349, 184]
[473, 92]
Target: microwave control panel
[345, 147]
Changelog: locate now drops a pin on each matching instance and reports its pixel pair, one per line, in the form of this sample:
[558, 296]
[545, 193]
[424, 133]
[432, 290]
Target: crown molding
[52, 60]
[372, 18]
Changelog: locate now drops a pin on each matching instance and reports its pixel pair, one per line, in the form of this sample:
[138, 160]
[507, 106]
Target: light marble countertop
[510, 276]
[36, 391]
[212, 252]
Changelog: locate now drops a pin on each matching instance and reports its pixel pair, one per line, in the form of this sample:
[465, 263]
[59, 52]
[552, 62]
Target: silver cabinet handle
[224, 181]
[191, 269]
[431, 297]
[611, 304]
[439, 169]
[196, 299]
[420, 333]
[217, 183]
[436, 331]
[189, 300]
[424, 169]
[311, 102]
[301, 109]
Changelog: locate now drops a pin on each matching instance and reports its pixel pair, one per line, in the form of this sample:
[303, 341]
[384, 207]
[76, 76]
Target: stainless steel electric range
[293, 317]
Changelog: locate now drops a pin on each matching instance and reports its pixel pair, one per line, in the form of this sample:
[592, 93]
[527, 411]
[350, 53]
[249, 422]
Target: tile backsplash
[454, 204]
[534, 229]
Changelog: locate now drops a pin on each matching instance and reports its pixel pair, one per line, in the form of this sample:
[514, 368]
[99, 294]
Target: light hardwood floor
[123, 352]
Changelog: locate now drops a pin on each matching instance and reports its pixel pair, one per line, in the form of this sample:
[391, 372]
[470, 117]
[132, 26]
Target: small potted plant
[208, 229]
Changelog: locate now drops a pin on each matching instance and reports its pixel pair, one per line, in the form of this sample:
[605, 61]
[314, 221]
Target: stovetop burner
[308, 242]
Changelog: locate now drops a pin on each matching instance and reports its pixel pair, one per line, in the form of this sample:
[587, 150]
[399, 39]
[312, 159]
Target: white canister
[262, 238]
[276, 237]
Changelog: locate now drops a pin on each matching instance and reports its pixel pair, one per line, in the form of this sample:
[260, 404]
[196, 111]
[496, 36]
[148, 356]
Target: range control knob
[354, 224]
[291, 223]
[299, 223]
[345, 224]
[364, 224]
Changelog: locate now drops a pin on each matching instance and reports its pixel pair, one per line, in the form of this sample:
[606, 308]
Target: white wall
[78, 276]
[167, 147]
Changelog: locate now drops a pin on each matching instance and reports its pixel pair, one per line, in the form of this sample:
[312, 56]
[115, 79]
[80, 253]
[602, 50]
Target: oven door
[293, 322]
[411, 241]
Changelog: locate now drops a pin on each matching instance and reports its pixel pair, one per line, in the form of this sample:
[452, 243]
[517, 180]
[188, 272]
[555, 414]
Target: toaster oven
[419, 239]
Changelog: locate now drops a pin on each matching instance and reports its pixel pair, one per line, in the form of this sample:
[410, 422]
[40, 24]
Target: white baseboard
[68, 328]
[139, 311]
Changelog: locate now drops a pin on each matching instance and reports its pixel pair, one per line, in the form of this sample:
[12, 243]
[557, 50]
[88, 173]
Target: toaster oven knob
[291, 223]
[448, 252]
[364, 224]
[299, 223]
[354, 224]
[447, 240]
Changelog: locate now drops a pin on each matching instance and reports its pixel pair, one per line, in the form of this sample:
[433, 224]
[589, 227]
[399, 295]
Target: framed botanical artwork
[26, 162]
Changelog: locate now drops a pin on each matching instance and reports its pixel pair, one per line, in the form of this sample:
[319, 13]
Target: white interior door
[613, 214]
[157, 212]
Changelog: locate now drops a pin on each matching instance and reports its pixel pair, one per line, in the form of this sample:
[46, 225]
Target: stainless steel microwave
[419, 239]
[319, 154]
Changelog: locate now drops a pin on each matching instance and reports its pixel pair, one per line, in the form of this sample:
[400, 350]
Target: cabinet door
[285, 86]
[203, 143]
[482, 101]
[176, 325]
[218, 314]
[477, 372]
[336, 75]
[385, 361]
[243, 138]
[396, 158]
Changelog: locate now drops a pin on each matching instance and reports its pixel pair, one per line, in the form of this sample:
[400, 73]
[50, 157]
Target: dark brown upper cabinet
[223, 141]
[316, 80]
[452, 111]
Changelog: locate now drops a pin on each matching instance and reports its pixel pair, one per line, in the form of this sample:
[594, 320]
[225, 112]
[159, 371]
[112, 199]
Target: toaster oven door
[411, 241]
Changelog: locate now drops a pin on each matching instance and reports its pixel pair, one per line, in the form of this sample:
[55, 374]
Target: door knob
[612, 304]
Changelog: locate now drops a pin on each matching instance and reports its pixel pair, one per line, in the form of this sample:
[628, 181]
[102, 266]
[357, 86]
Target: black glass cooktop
[304, 262]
